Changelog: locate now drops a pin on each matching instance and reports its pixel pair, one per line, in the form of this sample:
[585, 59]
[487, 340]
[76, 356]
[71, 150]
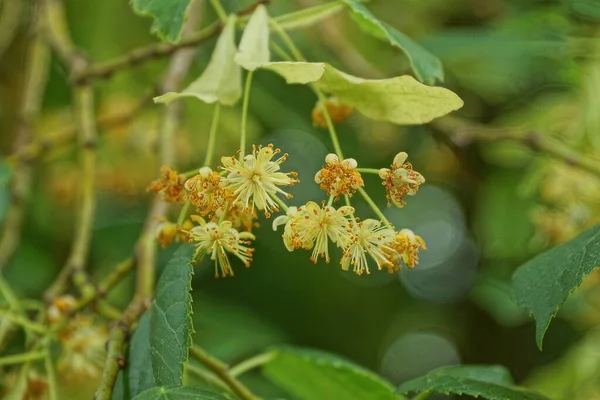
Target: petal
[400, 158]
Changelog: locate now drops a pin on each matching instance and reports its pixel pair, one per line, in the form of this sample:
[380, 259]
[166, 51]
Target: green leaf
[169, 16]
[297, 72]
[401, 100]
[427, 67]
[137, 376]
[221, 80]
[488, 382]
[254, 45]
[543, 284]
[5, 173]
[586, 9]
[179, 393]
[315, 375]
[171, 320]
[309, 16]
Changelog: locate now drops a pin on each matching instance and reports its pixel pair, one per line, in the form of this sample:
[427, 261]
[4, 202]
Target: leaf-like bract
[254, 45]
[315, 375]
[171, 320]
[308, 16]
[543, 283]
[488, 382]
[427, 67]
[221, 80]
[297, 72]
[169, 16]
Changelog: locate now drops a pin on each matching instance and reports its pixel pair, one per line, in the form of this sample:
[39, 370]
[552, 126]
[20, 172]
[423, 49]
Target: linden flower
[206, 191]
[60, 307]
[170, 186]
[240, 218]
[337, 112]
[167, 232]
[315, 225]
[405, 247]
[216, 240]
[401, 180]
[288, 232]
[83, 350]
[339, 177]
[368, 237]
[254, 181]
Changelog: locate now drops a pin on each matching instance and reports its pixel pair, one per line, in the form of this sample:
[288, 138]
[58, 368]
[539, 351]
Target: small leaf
[543, 284]
[179, 393]
[254, 46]
[137, 372]
[488, 382]
[297, 72]
[315, 375]
[309, 16]
[427, 67]
[221, 80]
[401, 100]
[169, 16]
[171, 320]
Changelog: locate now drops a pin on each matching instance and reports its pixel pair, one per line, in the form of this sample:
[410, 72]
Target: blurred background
[488, 204]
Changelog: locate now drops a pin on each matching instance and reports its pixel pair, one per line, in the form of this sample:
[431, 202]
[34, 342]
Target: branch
[462, 132]
[222, 371]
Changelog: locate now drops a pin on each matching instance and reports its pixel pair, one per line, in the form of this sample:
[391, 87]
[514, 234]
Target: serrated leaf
[137, 376]
[543, 283]
[169, 16]
[171, 320]
[254, 45]
[5, 173]
[309, 16]
[297, 72]
[316, 375]
[427, 67]
[488, 382]
[221, 80]
[179, 393]
[401, 100]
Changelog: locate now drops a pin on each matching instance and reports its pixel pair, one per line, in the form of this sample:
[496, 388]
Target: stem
[22, 358]
[422, 396]
[287, 40]
[330, 200]
[279, 201]
[115, 276]
[206, 376]
[251, 363]
[222, 371]
[50, 373]
[373, 206]
[24, 322]
[349, 204]
[368, 170]
[221, 13]
[184, 212]
[212, 136]
[330, 127]
[245, 114]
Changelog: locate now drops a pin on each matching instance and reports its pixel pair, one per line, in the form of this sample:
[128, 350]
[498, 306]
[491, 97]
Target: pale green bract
[308, 16]
[221, 81]
[169, 16]
[297, 72]
[254, 46]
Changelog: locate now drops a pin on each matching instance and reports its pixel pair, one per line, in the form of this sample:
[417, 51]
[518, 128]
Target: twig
[137, 56]
[22, 358]
[206, 376]
[35, 78]
[115, 276]
[222, 371]
[251, 363]
[462, 132]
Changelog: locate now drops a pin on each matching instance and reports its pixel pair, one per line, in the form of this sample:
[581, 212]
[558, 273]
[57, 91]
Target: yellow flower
[315, 225]
[60, 307]
[170, 186]
[216, 240]
[288, 232]
[368, 237]
[83, 349]
[401, 180]
[405, 245]
[337, 112]
[206, 191]
[339, 177]
[253, 181]
[241, 219]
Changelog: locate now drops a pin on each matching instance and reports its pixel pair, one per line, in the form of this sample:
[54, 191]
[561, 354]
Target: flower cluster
[169, 186]
[400, 180]
[83, 349]
[339, 177]
[337, 111]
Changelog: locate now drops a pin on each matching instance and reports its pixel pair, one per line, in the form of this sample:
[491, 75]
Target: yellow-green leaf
[309, 16]
[254, 46]
[169, 16]
[297, 72]
[221, 80]
[401, 100]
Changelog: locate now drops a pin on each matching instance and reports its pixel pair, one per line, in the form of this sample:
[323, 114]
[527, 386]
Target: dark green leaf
[427, 67]
[137, 375]
[489, 382]
[543, 284]
[586, 9]
[315, 375]
[179, 393]
[171, 320]
[169, 16]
